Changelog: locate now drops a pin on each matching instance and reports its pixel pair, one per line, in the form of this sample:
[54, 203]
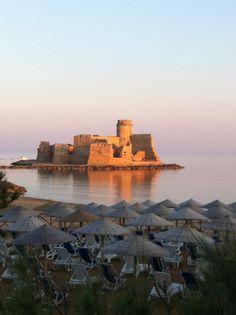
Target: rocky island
[126, 150]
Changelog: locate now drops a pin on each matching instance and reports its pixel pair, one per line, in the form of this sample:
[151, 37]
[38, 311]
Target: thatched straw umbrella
[149, 220]
[136, 246]
[123, 213]
[16, 213]
[58, 211]
[44, 235]
[185, 235]
[168, 203]
[25, 224]
[188, 215]
[217, 212]
[148, 203]
[160, 210]
[101, 210]
[232, 206]
[91, 206]
[138, 207]
[216, 204]
[225, 224]
[191, 202]
[102, 227]
[121, 204]
[193, 207]
[80, 216]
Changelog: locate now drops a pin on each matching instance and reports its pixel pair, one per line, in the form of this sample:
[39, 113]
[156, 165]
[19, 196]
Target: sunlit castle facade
[125, 148]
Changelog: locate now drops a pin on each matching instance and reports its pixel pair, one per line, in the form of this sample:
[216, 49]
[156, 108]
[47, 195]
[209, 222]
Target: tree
[217, 285]
[8, 191]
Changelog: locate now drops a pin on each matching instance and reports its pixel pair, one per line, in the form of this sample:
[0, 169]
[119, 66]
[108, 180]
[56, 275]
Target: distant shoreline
[86, 167]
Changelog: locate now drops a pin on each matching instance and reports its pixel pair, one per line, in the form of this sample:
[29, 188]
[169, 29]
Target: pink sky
[71, 69]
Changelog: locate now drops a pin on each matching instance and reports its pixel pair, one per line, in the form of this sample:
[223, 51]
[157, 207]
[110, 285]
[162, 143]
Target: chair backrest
[84, 254]
[129, 261]
[157, 263]
[151, 237]
[90, 241]
[108, 272]
[79, 271]
[69, 248]
[4, 250]
[192, 249]
[171, 251]
[189, 280]
[163, 279]
[62, 253]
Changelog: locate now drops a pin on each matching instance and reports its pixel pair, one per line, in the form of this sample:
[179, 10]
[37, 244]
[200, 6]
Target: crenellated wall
[83, 140]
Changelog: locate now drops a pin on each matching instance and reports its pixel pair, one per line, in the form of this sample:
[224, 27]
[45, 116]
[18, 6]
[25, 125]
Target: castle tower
[124, 131]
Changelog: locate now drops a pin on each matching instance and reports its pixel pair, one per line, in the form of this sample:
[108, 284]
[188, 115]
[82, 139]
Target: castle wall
[100, 154]
[144, 142]
[139, 156]
[44, 152]
[82, 140]
[80, 155]
[61, 154]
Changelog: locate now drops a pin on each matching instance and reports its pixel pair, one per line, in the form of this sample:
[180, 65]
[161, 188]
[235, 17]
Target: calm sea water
[204, 179]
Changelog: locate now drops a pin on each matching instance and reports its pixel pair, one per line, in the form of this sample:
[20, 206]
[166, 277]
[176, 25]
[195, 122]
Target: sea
[204, 178]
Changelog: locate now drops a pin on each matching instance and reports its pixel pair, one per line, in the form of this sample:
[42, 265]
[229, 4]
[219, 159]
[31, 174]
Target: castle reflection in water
[101, 186]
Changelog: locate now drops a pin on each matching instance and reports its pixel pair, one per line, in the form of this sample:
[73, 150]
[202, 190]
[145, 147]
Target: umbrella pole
[185, 255]
[135, 267]
[102, 243]
[45, 259]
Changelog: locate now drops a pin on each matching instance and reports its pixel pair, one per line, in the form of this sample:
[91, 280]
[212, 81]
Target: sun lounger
[71, 249]
[86, 257]
[110, 279]
[50, 290]
[80, 275]
[63, 258]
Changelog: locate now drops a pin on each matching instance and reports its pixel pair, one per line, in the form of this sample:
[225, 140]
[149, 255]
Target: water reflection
[203, 179]
[103, 187]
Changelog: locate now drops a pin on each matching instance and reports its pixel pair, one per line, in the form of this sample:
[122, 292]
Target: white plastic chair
[173, 256]
[128, 267]
[164, 287]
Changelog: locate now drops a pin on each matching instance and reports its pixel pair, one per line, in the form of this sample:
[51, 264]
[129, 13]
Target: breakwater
[85, 167]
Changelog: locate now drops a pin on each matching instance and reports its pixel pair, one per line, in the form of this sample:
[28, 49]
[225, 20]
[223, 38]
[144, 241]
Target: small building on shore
[125, 148]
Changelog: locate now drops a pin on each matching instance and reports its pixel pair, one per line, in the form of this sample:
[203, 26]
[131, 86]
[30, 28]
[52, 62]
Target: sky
[70, 67]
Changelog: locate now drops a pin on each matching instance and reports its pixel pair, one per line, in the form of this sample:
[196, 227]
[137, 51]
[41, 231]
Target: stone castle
[123, 149]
